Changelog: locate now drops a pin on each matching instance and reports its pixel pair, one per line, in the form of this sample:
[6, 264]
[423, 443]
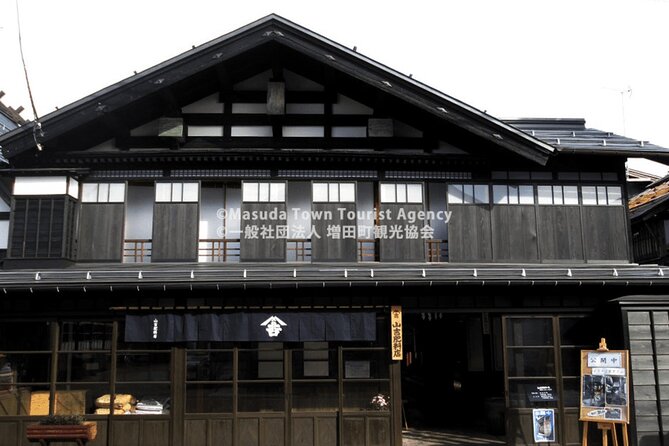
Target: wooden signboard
[605, 385]
[396, 333]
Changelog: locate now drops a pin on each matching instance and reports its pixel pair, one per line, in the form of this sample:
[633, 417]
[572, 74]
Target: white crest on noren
[273, 326]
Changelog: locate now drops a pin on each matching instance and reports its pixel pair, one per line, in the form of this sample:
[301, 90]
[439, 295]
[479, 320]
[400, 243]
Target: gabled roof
[278, 30]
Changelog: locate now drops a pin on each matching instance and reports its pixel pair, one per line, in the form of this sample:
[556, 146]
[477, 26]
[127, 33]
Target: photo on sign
[613, 414]
[593, 391]
[616, 391]
[544, 425]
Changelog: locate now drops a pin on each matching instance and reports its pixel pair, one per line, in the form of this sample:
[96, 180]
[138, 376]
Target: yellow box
[68, 402]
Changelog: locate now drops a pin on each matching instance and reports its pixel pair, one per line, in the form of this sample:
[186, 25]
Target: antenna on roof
[622, 105]
[37, 126]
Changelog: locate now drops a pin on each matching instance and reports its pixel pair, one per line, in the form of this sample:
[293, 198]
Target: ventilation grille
[220, 173]
[367, 174]
[421, 175]
[146, 173]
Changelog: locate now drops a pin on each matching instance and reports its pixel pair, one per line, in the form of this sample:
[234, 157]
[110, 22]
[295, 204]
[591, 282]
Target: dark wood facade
[274, 171]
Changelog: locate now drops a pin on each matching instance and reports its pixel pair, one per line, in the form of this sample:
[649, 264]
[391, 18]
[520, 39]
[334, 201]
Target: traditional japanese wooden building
[218, 242]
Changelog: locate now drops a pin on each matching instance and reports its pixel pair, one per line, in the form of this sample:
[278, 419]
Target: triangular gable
[149, 87]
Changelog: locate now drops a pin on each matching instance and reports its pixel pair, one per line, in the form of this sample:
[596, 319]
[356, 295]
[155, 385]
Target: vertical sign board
[396, 332]
[604, 386]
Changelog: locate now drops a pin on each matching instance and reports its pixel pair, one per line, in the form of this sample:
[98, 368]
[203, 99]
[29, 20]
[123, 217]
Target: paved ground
[418, 437]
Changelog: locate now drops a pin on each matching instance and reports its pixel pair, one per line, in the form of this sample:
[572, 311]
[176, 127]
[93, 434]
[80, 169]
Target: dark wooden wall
[175, 232]
[470, 233]
[560, 233]
[401, 250]
[514, 234]
[262, 250]
[605, 233]
[101, 232]
[537, 233]
[648, 337]
[328, 249]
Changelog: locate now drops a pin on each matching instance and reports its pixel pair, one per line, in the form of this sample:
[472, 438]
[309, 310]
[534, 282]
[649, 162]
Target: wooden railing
[437, 250]
[298, 250]
[367, 250]
[219, 250]
[137, 251]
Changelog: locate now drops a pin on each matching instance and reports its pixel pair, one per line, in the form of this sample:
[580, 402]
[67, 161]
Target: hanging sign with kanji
[396, 332]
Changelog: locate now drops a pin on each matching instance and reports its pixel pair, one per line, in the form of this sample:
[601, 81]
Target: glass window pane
[500, 194]
[513, 194]
[163, 192]
[570, 194]
[25, 368]
[468, 193]
[334, 192]
[557, 195]
[481, 194]
[529, 331]
[277, 192]
[347, 192]
[84, 367]
[358, 396]
[601, 195]
[250, 192]
[208, 398]
[615, 195]
[177, 189]
[455, 193]
[117, 192]
[589, 195]
[103, 192]
[263, 192]
[209, 366]
[191, 192]
[526, 194]
[257, 397]
[150, 398]
[545, 194]
[320, 192]
[387, 193]
[315, 396]
[415, 193]
[143, 367]
[531, 362]
[79, 399]
[519, 389]
[401, 193]
[89, 192]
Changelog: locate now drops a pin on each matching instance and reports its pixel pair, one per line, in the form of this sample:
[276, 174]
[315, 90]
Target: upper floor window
[557, 195]
[333, 192]
[46, 186]
[602, 195]
[401, 193]
[263, 192]
[103, 192]
[468, 194]
[508, 194]
[177, 192]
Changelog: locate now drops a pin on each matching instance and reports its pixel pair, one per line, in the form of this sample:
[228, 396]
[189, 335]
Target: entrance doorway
[453, 373]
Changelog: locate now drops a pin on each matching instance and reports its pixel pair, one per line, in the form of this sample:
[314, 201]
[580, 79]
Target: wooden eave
[274, 29]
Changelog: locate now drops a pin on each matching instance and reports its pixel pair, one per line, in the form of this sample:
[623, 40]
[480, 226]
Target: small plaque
[541, 393]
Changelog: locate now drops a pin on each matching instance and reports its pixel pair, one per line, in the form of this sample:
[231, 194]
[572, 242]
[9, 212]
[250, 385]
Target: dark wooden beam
[262, 119]
[228, 143]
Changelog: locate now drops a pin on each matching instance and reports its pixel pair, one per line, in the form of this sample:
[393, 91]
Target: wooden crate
[68, 402]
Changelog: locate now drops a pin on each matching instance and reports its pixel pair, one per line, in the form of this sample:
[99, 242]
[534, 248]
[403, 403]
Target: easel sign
[604, 385]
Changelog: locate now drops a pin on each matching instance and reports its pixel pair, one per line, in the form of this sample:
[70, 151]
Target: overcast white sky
[513, 58]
